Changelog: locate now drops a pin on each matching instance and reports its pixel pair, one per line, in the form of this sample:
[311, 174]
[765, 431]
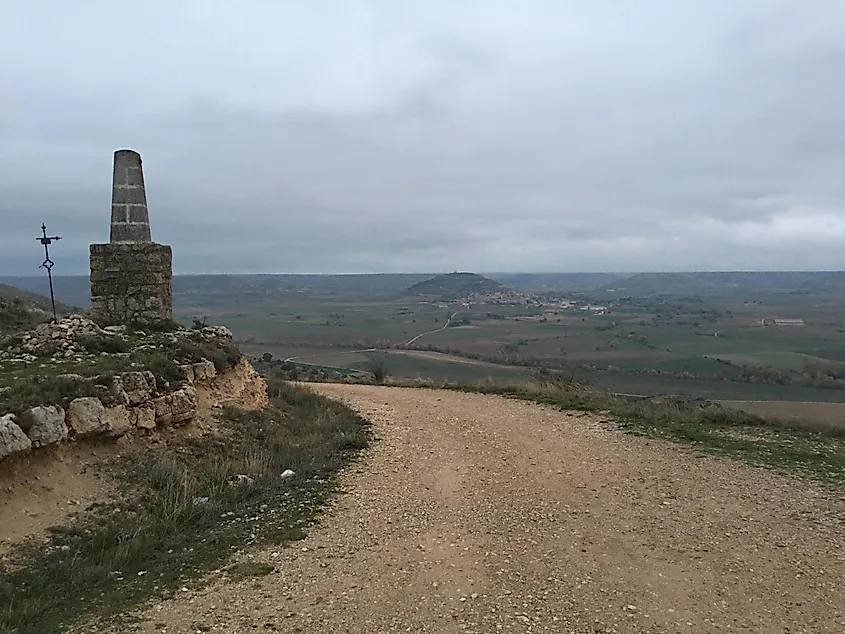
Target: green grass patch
[33, 386]
[780, 359]
[183, 511]
[693, 365]
[49, 381]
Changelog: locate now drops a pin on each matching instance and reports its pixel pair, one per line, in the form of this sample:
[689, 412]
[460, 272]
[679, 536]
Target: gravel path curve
[477, 514]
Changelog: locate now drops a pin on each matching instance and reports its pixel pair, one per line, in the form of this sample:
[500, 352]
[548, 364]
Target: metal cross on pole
[48, 263]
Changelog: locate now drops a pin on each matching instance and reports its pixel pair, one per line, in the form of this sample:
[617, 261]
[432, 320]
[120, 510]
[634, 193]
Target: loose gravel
[479, 514]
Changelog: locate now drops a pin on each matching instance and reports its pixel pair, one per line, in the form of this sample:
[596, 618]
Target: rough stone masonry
[131, 276]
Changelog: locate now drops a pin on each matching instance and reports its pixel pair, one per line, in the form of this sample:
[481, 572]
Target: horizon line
[370, 273]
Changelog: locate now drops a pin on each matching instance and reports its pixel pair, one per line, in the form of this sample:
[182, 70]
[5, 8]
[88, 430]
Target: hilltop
[22, 309]
[456, 286]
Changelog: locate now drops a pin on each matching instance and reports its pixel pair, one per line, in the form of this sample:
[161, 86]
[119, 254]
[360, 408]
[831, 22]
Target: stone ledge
[88, 417]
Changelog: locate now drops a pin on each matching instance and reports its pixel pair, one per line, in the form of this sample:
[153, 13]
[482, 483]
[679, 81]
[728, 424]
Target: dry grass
[828, 417]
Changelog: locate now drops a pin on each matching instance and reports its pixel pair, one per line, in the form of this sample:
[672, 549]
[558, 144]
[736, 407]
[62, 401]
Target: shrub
[33, 390]
[162, 365]
[224, 355]
[96, 344]
[378, 368]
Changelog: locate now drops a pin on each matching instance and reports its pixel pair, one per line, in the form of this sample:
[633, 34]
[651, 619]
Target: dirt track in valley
[452, 358]
[477, 514]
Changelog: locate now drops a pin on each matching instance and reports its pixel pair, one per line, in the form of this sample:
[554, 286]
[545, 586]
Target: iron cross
[48, 263]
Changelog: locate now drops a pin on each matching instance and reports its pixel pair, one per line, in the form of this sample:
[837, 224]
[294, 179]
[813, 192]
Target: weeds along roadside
[185, 510]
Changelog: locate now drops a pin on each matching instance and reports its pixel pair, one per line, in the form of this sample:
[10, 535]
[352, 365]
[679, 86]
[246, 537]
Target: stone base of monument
[131, 283]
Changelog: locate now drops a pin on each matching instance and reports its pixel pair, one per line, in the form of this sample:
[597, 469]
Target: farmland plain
[709, 335]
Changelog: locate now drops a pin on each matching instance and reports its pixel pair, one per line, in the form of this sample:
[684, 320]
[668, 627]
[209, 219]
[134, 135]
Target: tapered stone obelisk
[130, 220]
[131, 276]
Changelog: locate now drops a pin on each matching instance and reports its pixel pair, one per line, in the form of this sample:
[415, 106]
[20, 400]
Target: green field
[698, 334]
[781, 359]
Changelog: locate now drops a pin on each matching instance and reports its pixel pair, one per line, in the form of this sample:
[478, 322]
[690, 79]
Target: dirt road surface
[476, 514]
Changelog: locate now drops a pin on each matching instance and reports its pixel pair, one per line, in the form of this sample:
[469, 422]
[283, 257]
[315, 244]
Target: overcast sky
[436, 135]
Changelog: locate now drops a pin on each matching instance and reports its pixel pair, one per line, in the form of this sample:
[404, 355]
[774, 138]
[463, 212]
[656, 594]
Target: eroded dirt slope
[44, 489]
[478, 514]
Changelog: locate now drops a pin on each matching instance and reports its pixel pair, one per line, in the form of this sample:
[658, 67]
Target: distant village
[516, 298]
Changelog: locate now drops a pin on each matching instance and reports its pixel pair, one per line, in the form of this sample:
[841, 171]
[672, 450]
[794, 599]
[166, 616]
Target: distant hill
[455, 286]
[703, 283]
[76, 289]
[73, 290]
[20, 309]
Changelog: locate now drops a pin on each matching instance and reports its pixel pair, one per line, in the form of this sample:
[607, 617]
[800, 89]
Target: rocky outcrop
[67, 339]
[118, 421]
[203, 371]
[86, 416]
[138, 387]
[58, 336]
[44, 425]
[143, 417]
[217, 332]
[177, 407]
[12, 438]
[135, 401]
[183, 405]
[130, 402]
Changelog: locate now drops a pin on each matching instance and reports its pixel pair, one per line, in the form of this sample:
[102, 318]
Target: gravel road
[477, 514]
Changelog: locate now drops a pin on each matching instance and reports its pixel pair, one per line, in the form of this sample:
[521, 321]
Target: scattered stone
[86, 416]
[163, 409]
[204, 371]
[287, 474]
[217, 332]
[45, 425]
[139, 387]
[241, 479]
[46, 337]
[143, 417]
[183, 404]
[12, 438]
[117, 421]
[117, 391]
[187, 373]
[71, 377]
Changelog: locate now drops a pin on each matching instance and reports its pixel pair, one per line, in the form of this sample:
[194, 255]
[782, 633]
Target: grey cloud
[417, 137]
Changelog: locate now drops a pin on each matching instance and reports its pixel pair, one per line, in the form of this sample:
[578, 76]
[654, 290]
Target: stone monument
[131, 276]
